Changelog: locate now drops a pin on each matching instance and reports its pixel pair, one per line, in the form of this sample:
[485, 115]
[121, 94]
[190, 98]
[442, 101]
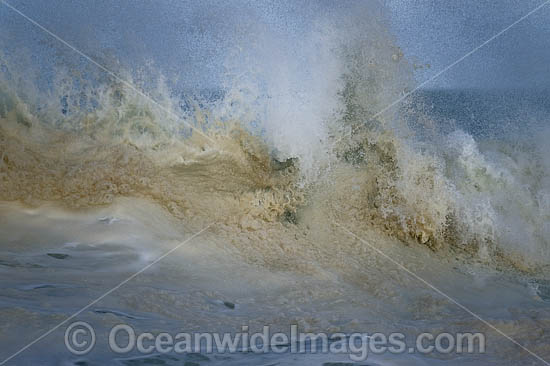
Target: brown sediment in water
[229, 182]
[376, 181]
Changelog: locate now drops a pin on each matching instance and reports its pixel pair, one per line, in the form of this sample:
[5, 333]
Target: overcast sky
[435, 32]
[439, 32]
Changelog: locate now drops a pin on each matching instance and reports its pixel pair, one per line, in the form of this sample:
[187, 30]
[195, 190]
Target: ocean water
[299, 181]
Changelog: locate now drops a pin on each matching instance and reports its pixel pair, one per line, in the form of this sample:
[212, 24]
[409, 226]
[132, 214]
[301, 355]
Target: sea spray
[293, 110]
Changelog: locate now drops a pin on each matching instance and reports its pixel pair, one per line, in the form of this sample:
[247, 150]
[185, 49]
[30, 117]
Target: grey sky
[429, 31]
[440, 31]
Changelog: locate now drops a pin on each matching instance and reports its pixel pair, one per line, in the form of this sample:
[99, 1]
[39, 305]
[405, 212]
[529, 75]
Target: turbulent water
[284, 155]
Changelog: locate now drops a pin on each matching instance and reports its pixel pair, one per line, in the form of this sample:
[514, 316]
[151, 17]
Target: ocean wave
[263, 147]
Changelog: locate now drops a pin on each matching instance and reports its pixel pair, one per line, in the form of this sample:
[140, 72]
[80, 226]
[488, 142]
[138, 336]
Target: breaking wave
[281, 131]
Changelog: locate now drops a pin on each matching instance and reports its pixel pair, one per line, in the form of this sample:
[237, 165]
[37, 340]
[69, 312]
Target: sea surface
[281, 191]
